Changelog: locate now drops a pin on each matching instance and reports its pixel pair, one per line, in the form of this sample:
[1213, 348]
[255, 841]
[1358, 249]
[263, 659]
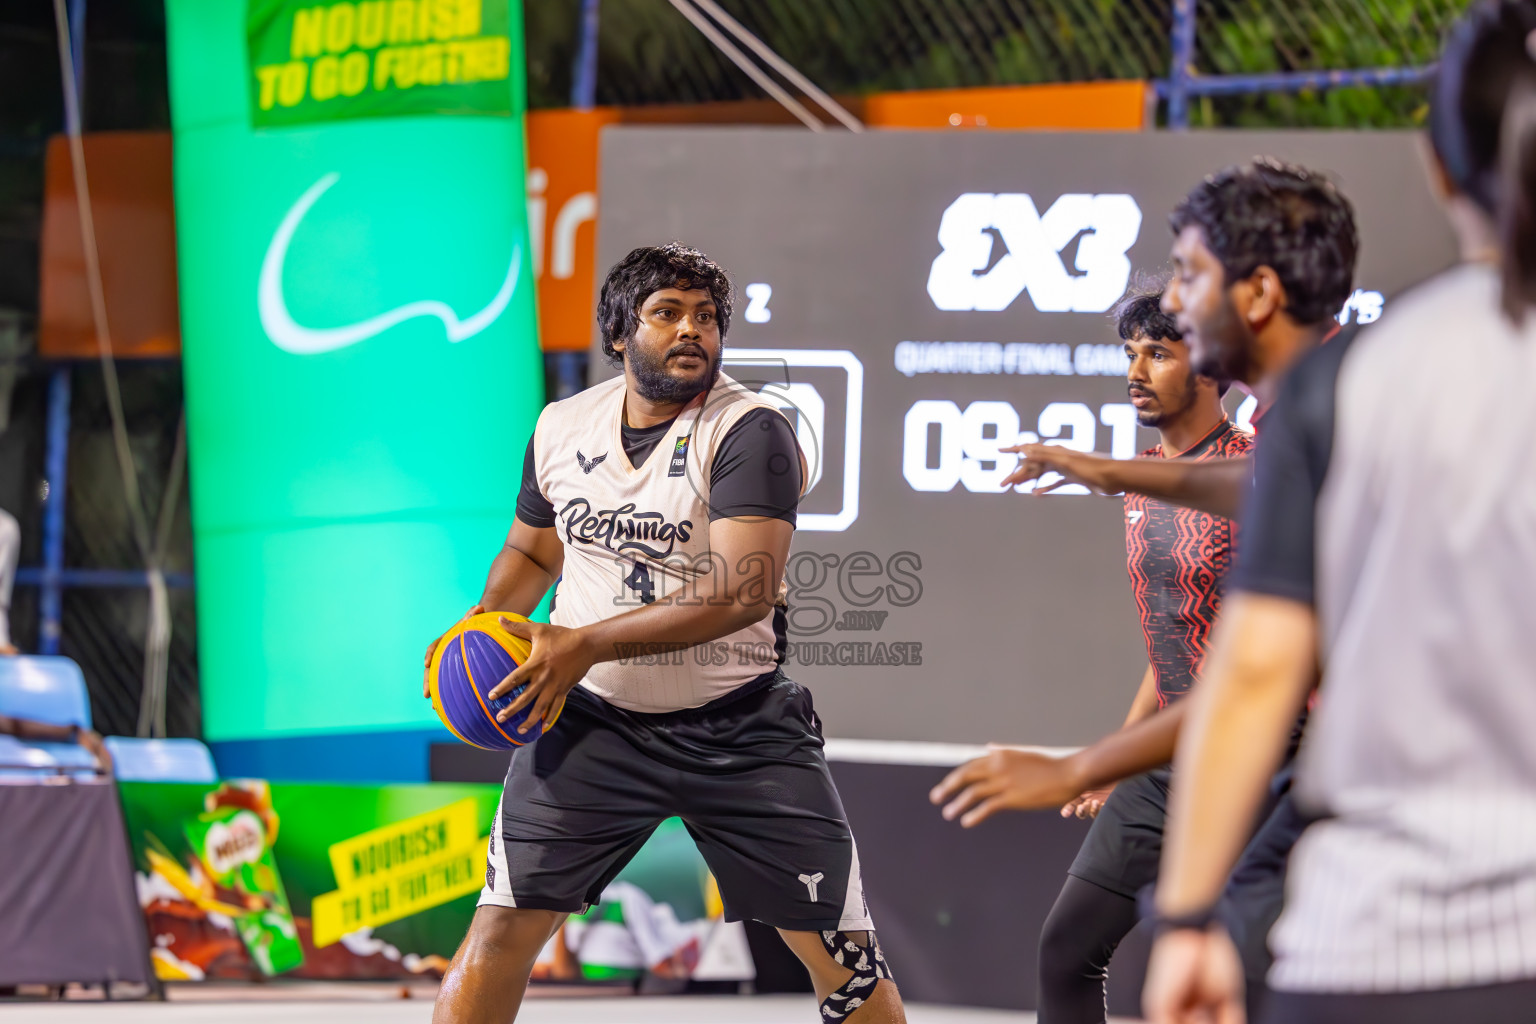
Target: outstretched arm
[1215, 486]
[1019, 779]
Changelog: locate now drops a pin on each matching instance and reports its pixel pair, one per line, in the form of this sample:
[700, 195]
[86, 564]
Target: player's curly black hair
[1139, 314]
[649, 269]
[1293, 220]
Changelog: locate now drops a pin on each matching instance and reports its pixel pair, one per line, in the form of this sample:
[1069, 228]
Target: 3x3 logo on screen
[1073, 257]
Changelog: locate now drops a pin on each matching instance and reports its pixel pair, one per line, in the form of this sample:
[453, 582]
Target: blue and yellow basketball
[472, 658]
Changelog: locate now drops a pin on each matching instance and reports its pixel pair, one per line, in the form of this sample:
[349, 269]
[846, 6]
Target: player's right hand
[1072, 467]
[1005, 778]
[426, 665]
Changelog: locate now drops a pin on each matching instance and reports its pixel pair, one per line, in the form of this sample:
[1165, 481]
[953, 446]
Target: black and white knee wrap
[868, 966]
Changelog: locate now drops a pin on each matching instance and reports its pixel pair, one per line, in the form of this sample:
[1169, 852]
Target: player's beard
[1225, 345]
[655, 384]
[1163, 414]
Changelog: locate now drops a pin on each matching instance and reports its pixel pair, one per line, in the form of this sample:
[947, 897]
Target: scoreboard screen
[916, 300]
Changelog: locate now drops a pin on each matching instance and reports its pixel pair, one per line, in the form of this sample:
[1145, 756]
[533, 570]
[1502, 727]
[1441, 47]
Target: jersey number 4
[640, 582]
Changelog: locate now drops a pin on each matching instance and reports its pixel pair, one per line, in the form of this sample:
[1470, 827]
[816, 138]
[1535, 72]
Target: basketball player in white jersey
[661, 505]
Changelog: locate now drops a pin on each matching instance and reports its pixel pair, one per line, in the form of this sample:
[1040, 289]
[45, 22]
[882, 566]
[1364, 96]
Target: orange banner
[562, 220]
[1093, 106]
[129, 174]
[563, 165]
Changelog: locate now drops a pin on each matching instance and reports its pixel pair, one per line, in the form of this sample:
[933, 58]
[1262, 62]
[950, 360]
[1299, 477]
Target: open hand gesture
[1005, 778]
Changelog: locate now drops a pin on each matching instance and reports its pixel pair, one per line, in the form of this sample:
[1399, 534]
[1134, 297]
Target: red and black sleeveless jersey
[1177, 559]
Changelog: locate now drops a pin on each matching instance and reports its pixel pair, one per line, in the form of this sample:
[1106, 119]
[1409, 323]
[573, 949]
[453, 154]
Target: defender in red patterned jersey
[1177, 558]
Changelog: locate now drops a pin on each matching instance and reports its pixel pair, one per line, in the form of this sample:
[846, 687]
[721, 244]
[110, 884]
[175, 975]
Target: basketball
[472, 658]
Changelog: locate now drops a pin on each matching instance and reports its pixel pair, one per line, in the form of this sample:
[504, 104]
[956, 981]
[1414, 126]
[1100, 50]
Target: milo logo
[229, 844]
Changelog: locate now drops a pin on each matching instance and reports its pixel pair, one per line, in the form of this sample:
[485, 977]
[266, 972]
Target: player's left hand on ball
[1005, 778]
[559, 660]
[1194, 977]
[426, 663]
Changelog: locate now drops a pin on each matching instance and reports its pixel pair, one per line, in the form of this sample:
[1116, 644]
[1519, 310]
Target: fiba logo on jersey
[821, 392]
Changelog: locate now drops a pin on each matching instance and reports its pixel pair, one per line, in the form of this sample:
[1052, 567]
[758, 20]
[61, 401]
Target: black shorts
[1486, 1004]
[747, 775]
[1123, 846]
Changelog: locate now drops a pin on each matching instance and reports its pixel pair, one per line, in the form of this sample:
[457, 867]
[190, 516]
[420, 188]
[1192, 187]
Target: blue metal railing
[584, 74]
[1183, 85]
[108, 578]
[1182, 65]
[1178, 90]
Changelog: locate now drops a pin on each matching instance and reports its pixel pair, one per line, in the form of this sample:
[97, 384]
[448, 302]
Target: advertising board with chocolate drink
[249, 879]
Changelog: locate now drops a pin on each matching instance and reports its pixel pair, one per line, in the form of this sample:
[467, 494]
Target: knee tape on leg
[868, 966]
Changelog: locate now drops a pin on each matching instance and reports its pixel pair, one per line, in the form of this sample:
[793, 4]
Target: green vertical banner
[361, 361]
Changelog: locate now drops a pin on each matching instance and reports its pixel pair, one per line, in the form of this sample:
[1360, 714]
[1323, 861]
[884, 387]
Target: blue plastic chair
[44, 689]
[185, 760]
[17, 756]
[32, 759]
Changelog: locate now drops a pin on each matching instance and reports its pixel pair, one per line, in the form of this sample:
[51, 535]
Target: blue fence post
[50, 605]
[570, 374]
[584, 74]
[77, 45]
[1183, 47]
[56, 469]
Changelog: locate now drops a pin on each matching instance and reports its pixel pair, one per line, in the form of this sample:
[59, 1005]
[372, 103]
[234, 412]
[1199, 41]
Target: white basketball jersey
[632, 536]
